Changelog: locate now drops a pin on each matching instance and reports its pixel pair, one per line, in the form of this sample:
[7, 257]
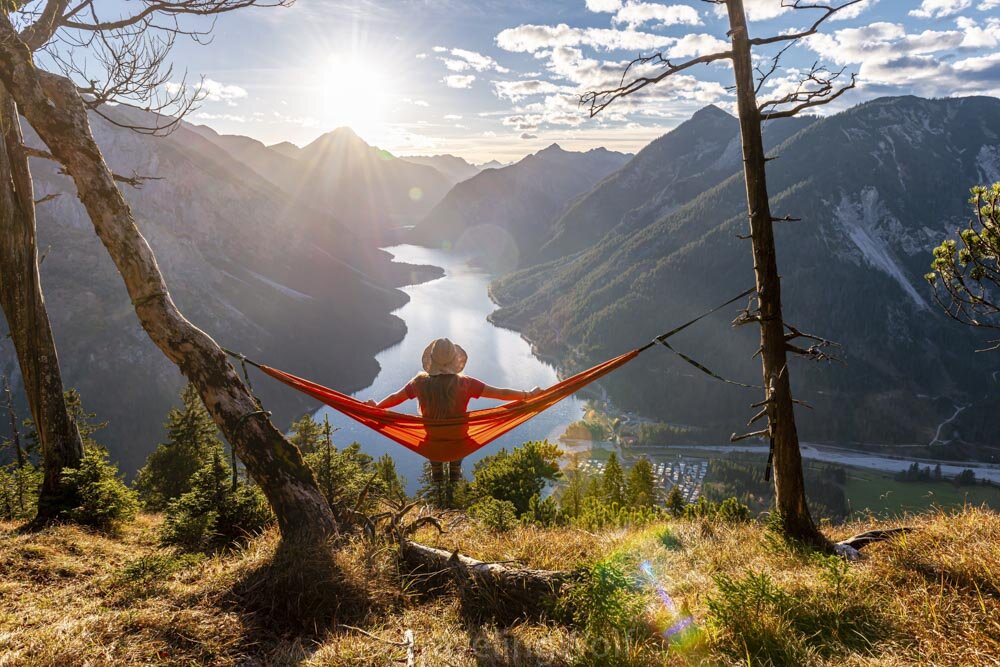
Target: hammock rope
[455, 438]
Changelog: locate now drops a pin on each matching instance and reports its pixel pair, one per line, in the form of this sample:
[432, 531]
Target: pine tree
[571, 498]
[395, 486]
[640, 489]
[518, 475]
[675, 501]
[192, 442]
[308, 435]
[613, 483]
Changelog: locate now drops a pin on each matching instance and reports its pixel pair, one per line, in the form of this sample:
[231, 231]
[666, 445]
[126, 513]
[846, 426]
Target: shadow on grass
[299, 592]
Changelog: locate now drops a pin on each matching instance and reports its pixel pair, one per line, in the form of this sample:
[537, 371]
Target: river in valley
[454, 306]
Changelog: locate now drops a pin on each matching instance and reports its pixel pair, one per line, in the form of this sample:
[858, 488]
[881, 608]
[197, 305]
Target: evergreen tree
[572, 495]
[937, 473]
[212, 513]
[308, 435]
[640, 489]
[394, 485]
[518, 475]
[192, 442]
[675, 501]
[100, 497]
[613, 482]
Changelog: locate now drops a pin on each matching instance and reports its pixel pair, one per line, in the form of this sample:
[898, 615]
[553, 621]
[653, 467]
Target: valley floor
[708, 594]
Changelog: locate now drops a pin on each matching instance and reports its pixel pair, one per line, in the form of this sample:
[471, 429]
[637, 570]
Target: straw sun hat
[442, 357]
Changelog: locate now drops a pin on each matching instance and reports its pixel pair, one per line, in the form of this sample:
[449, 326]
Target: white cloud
[533, 38]
[420, 56]
[461, 60]
[439, 49]
[604, 6]
[696, 44]
[416, 103]
[459, 80]
[525, 135]
[853, 11]
[987, 5]
[515, 91]
[452, 116]
[880, 42]
[935, 9]
[210, 90]
[758, 10]
[976, 37]
[636, 14]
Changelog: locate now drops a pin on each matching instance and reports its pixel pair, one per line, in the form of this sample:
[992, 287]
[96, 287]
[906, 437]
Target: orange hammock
[455, 438]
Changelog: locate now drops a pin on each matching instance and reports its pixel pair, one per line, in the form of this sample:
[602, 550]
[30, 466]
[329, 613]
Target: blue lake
[454, 306]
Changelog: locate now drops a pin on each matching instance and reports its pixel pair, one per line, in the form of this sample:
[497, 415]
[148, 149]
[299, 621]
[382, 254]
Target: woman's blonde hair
[436, 395]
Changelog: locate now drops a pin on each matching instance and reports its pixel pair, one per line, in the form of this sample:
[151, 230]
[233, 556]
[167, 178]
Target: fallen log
[498, 590]
[851, 547]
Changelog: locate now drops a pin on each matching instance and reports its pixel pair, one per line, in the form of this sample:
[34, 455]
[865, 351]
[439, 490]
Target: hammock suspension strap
[260, 411]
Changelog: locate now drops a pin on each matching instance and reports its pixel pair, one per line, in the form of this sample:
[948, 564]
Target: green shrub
[517, 476]
[729, 510]
[191, 440]
[19, 491]
[213, 513]
[100, 496]
[497, 515]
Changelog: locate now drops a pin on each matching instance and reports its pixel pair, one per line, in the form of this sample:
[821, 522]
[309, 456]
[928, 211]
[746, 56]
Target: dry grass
[73, 597]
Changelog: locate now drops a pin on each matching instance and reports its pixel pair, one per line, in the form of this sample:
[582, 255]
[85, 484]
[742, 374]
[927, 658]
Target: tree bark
[24, 308]
[56, 111]
[789, 485]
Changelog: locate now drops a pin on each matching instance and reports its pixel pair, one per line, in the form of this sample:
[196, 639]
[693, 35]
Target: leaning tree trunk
[789, 486]
[54, 108]
[24, 307]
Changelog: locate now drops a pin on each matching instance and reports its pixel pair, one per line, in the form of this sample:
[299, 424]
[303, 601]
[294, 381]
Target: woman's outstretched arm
[508, 394]
[390, 401]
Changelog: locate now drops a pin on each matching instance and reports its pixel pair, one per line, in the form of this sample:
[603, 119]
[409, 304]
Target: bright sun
[354, 94]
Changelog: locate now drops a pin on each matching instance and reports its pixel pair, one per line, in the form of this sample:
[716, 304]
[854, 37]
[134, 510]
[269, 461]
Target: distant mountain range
[258, 269]
[502, 215]
[876, 187]
[344, 178]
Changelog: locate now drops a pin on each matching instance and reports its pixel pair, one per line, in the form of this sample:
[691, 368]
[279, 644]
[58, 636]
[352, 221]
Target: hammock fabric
[455, 438]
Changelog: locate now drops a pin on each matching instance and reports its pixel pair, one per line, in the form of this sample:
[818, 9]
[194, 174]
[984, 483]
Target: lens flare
[681, 622]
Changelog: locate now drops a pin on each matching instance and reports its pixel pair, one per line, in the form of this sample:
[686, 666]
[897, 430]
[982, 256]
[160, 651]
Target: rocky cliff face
[877, 187]
[260, 271]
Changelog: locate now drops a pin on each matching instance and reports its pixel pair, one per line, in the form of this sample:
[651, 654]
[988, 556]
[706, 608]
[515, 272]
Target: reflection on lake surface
[454, 306]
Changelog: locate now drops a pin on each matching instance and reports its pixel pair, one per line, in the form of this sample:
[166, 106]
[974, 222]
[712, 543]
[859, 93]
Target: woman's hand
[371, 403]
[533, 392]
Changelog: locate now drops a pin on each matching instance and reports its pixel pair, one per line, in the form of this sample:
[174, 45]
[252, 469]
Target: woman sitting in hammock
[442, 392]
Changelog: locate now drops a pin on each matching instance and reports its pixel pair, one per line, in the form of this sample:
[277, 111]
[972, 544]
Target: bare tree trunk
[55, 110]
[24, 307]
[789, 485]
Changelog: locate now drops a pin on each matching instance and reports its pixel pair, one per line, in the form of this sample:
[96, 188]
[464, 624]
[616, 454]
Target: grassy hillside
[71, 597]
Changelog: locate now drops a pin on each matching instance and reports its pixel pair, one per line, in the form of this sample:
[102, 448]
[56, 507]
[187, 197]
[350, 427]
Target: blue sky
[492, 79]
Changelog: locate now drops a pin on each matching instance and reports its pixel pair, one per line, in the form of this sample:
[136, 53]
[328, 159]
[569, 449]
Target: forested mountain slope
[877, 187]
[504, 214]
[662, 177]
[253, 267]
